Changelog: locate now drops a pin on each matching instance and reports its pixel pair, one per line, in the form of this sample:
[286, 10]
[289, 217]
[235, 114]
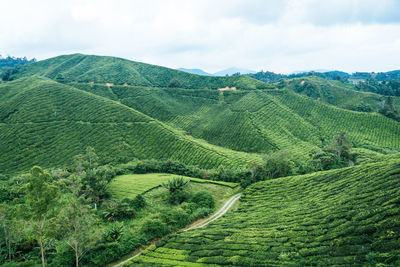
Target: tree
[60, 78]
[175, 188]
[94, 182]
[80, 221]
[277, 165]
[174, 83]
[389, 110]
[40, 197]
[340, 146]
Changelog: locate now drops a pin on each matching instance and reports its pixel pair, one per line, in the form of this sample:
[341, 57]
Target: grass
[130, 185]
[344, 217]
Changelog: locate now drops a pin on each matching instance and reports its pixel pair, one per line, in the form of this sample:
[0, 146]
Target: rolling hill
[47, 123]
[339, 94]
[256, 121]
[112, 70]
[96, 94]
[343, 217]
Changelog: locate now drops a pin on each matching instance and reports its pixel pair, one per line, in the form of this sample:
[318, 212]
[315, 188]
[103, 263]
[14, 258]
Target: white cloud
[280, 36]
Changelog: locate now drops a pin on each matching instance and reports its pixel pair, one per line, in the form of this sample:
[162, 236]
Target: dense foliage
[54, 211]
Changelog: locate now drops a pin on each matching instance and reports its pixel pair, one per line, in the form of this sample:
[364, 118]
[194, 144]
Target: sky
[280, 36]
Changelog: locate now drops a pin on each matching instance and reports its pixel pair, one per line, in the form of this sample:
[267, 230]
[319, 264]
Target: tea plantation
[340, 217]
[46, 123]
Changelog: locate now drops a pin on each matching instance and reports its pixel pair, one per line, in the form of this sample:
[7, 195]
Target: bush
[204, 199]
[154, 227]
[174, 83]
[118, 210]
[175, 188]
[113, 233]
[139, 202]
[176, 217]
[200, 213]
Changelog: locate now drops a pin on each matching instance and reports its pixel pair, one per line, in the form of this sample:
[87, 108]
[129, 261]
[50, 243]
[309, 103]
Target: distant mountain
[196, 71]
[307, 71]
[233, 70]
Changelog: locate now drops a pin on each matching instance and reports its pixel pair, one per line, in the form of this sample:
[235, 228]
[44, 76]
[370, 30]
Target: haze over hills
[196, 71]
[228, 71]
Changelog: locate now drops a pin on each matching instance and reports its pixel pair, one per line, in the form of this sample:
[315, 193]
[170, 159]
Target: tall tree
[80, 221]
[41, 195]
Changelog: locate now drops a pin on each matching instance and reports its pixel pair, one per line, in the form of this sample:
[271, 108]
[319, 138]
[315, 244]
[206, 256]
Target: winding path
[201, 224]
[216, 215]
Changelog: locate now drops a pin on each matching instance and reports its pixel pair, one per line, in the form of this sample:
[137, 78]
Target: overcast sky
[280, 36]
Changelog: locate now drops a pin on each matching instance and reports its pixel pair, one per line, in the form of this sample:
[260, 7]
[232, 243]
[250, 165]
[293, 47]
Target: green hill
[348, 217]
[47, 123]
[101, 69]
[257, 121]
[337, 93]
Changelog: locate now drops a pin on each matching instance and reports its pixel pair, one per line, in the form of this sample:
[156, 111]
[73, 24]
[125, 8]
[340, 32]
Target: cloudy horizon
[278, 36]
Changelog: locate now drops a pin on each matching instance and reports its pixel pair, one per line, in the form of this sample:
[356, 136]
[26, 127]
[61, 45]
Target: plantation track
[200, 224]
[216, 215]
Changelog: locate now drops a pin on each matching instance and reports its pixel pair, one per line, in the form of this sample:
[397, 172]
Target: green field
[341, 217]
[130, 185]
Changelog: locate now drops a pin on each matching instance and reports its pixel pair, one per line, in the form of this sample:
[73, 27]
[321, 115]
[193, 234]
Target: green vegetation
[339, 94]
[55, 212]
[47, 123]
[120, 143]
[97, 69]
[259, 121]
[341, 217]
[130, 185]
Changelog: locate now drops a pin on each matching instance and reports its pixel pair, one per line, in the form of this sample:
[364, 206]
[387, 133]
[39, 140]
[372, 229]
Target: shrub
[176, 217]
[113, 233]
[200, 213]
[204, 199]
[154, 227]
[175, 188]
[139, 202]
[174, 83]
[118, 210]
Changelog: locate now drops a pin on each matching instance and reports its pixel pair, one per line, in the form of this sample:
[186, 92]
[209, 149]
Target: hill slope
[260, 121]
[100, 69]
[341, 217]
[47, 123]
[339, 94]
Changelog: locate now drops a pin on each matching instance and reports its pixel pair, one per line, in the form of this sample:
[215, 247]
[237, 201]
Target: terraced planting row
[341, 217]
[367, 130]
